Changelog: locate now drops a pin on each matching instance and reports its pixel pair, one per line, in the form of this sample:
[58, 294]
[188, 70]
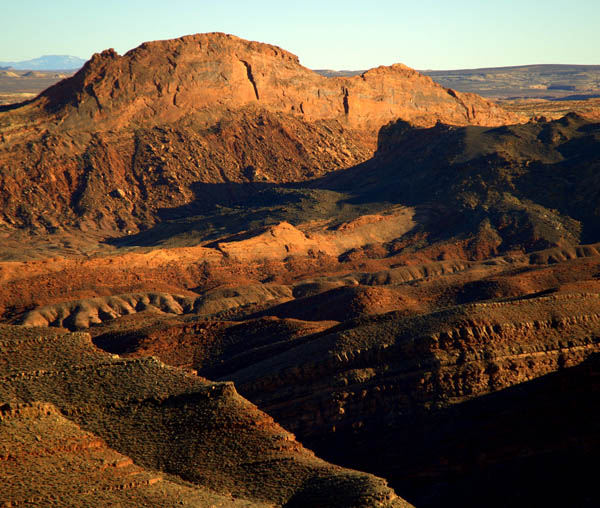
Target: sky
[325, 34]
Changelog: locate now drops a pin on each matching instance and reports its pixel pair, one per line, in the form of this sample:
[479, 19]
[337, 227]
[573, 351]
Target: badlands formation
[226, 280]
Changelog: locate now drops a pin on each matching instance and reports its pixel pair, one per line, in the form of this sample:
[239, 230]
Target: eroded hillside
[404, 276]
[173, 122]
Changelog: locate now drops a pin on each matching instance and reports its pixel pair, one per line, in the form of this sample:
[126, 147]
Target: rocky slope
[533, 186]
[49, 460]
[416, 389]
[414, 299]
[166, 420]
[157, 128]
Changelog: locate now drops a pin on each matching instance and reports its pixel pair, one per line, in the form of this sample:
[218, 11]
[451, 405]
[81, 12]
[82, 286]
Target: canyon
[227, 280]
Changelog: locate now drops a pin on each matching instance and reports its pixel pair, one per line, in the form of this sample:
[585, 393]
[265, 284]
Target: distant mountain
[330, 73]
[47, 62]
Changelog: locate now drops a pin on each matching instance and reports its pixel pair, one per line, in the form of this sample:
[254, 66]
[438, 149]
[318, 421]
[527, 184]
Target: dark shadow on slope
[223, 210]
[531, 186]
[17, 105]
[535, 444]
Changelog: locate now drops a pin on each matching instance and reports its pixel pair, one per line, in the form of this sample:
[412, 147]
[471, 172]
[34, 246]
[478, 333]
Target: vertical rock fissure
[251, 78]
[346, 104]
[452, 93]
[90, 90]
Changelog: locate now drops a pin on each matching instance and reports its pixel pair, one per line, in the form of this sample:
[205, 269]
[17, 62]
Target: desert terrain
[542, 82]
[551, 82]
[20, 85]
[228, 280]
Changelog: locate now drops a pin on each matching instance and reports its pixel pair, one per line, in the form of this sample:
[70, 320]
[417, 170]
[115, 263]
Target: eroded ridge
[166, 420]
[49, 460]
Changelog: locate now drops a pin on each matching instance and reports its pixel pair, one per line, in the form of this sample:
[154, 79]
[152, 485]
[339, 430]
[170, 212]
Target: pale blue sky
[348, 34]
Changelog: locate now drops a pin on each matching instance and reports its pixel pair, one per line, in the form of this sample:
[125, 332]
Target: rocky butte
[130, 134]
[403, 275]
[210, 74]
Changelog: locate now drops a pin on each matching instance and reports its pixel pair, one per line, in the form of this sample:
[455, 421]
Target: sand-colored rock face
[212, 73]
[283, 240]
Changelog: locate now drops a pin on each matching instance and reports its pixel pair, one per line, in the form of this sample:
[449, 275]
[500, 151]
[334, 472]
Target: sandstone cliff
[210, 74]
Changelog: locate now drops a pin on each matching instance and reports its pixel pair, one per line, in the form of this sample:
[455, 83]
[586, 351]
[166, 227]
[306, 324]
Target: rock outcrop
[210, 74]
[371, 380]
[177, 122]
